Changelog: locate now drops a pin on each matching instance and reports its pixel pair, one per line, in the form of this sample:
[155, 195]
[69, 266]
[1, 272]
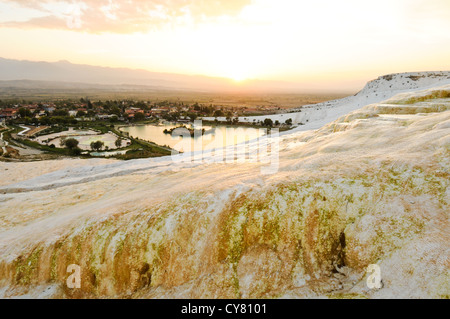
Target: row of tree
[72, 144]
[267, 122]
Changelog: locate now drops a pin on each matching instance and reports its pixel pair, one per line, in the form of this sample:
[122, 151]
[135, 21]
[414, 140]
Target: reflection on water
[214, 136]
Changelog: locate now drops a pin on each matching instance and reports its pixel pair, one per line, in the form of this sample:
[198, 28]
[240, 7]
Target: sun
[237, 73]
[236, 65]
[238, 77]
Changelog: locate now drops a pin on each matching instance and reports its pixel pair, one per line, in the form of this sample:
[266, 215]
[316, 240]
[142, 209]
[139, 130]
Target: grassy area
[149, 146]
[14, 129]
[52, 130]
[143, 149]
[137, 149]
[45, 148]
[102, 127]
[7, 135]
[136, 154]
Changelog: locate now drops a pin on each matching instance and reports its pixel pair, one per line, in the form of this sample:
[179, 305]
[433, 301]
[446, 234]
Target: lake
[220, 135]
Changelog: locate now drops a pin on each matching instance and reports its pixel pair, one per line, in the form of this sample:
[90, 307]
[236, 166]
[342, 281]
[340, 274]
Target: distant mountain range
[64, 73]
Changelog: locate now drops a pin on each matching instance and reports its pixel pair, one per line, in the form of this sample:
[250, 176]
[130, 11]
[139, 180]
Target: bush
[71, 143]
[268, 122]
[139, 116]
[218, 113]
[97, 146]
[76, 151]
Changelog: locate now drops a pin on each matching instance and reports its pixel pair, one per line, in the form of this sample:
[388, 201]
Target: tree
[118, 143]
[90, 113]
[192, 116]
[24, 112]
[76, 151]
[60, 113]
[71, 143]
[288, 122]
[218, 113]
[45, 120]
[268, 122]
[97, 146]
[115, 110]
[139, 116]
[277, 123]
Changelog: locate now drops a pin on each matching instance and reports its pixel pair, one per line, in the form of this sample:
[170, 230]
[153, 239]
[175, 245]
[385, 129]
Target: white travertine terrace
[370, 186]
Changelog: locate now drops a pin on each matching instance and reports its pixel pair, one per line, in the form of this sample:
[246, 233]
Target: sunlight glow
[287, 40]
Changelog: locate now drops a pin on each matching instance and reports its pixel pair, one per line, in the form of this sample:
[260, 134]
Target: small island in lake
[191, 130]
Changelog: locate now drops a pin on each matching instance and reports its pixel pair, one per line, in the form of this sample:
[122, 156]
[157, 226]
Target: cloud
[122, 16]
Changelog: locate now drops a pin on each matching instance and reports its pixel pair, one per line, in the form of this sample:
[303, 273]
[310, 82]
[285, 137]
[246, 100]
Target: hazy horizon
[63, 74]
[277, 85]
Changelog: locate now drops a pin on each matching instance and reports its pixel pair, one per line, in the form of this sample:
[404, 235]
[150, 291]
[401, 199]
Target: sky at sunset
[337, 43]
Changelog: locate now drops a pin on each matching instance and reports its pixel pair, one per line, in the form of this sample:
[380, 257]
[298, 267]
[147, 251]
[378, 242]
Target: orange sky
[341, 44]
